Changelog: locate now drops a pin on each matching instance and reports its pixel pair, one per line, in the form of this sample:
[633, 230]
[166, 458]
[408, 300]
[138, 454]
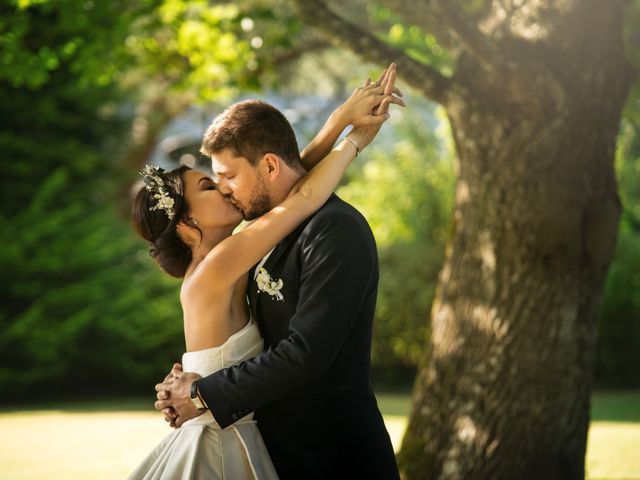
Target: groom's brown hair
[250, 129]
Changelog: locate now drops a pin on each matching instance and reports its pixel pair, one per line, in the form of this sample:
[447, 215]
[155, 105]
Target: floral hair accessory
[154, 183]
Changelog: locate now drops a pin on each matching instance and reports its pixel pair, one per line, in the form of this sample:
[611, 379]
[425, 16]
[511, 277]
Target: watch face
[194, 390]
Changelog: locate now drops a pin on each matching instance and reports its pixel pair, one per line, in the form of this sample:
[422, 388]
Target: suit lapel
[252, 292]
[280, 250]
[275, 255]
[270, 265]
[255, 296]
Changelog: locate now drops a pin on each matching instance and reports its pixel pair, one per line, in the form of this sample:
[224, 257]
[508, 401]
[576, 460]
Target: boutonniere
[268, 285]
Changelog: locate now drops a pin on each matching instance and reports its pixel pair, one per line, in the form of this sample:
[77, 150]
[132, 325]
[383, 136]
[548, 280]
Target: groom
[310, 388]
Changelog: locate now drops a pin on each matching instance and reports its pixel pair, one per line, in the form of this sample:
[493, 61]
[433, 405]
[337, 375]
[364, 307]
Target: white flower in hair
[165, 202]
[268, 285]
[154, 183]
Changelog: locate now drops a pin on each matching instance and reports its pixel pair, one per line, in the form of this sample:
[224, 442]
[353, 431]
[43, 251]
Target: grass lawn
[106, 440]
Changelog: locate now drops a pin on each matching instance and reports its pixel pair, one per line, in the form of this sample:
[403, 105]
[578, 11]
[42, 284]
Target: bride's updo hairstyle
[155, 226]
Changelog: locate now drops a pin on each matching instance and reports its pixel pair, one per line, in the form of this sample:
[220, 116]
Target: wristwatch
[196, 399]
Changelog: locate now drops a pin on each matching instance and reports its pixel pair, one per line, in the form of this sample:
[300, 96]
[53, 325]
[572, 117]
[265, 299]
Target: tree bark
[505, 390]
[534, 105]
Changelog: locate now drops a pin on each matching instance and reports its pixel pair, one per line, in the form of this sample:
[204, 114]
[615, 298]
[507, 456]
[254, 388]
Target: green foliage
[420, 46]
[619, 335]
[76, 297]
[210, 51]
[181, 46]
[37, 38]
[193, 48]
[83, 307]
[83, 301]
[406, 194]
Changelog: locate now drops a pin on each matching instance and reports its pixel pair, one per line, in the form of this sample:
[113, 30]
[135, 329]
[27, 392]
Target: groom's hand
[174, 397]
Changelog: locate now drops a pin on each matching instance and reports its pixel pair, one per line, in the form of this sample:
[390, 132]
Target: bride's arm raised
[235, 256]
[354, 111]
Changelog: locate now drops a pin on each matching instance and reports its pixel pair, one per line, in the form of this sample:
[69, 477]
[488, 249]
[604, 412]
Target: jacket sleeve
[338, 270]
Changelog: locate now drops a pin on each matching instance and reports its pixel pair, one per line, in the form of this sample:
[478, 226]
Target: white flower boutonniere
[268, 285]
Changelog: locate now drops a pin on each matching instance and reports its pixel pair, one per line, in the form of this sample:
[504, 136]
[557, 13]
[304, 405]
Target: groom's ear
[272, 165]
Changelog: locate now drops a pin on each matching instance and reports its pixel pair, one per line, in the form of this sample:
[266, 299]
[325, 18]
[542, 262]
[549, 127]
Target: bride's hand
[364, 134]
[359, 109]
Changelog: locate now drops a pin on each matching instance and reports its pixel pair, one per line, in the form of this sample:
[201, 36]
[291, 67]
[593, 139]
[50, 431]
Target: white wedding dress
[200, 449]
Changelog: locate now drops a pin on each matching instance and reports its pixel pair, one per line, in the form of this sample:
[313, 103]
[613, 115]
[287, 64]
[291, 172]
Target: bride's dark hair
[155, 226]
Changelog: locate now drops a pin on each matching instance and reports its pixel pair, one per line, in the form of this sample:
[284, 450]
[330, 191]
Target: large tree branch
[476, 42]
[427, 79]
[440, 17]
[293, 54]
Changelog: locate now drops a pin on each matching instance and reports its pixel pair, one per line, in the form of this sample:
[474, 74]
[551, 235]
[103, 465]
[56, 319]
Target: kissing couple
[278, 316]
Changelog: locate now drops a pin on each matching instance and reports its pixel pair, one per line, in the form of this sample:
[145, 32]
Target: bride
[189, 224]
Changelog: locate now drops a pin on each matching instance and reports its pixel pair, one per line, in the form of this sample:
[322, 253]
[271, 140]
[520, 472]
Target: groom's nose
[223, 187]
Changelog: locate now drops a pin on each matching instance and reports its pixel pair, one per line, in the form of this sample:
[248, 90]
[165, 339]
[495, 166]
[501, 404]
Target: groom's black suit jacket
[310, 387]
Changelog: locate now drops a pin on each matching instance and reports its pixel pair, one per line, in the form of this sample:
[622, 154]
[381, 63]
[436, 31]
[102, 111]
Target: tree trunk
[505, 390]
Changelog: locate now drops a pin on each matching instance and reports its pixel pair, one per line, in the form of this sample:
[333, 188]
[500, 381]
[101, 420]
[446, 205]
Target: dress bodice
[243, 344]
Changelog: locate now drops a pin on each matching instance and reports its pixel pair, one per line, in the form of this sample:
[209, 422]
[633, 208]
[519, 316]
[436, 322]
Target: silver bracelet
[355, 144]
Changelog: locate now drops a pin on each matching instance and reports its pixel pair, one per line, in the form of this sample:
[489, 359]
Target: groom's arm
[339, 271]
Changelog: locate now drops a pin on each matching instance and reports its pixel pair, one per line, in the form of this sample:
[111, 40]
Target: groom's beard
[259, 203]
